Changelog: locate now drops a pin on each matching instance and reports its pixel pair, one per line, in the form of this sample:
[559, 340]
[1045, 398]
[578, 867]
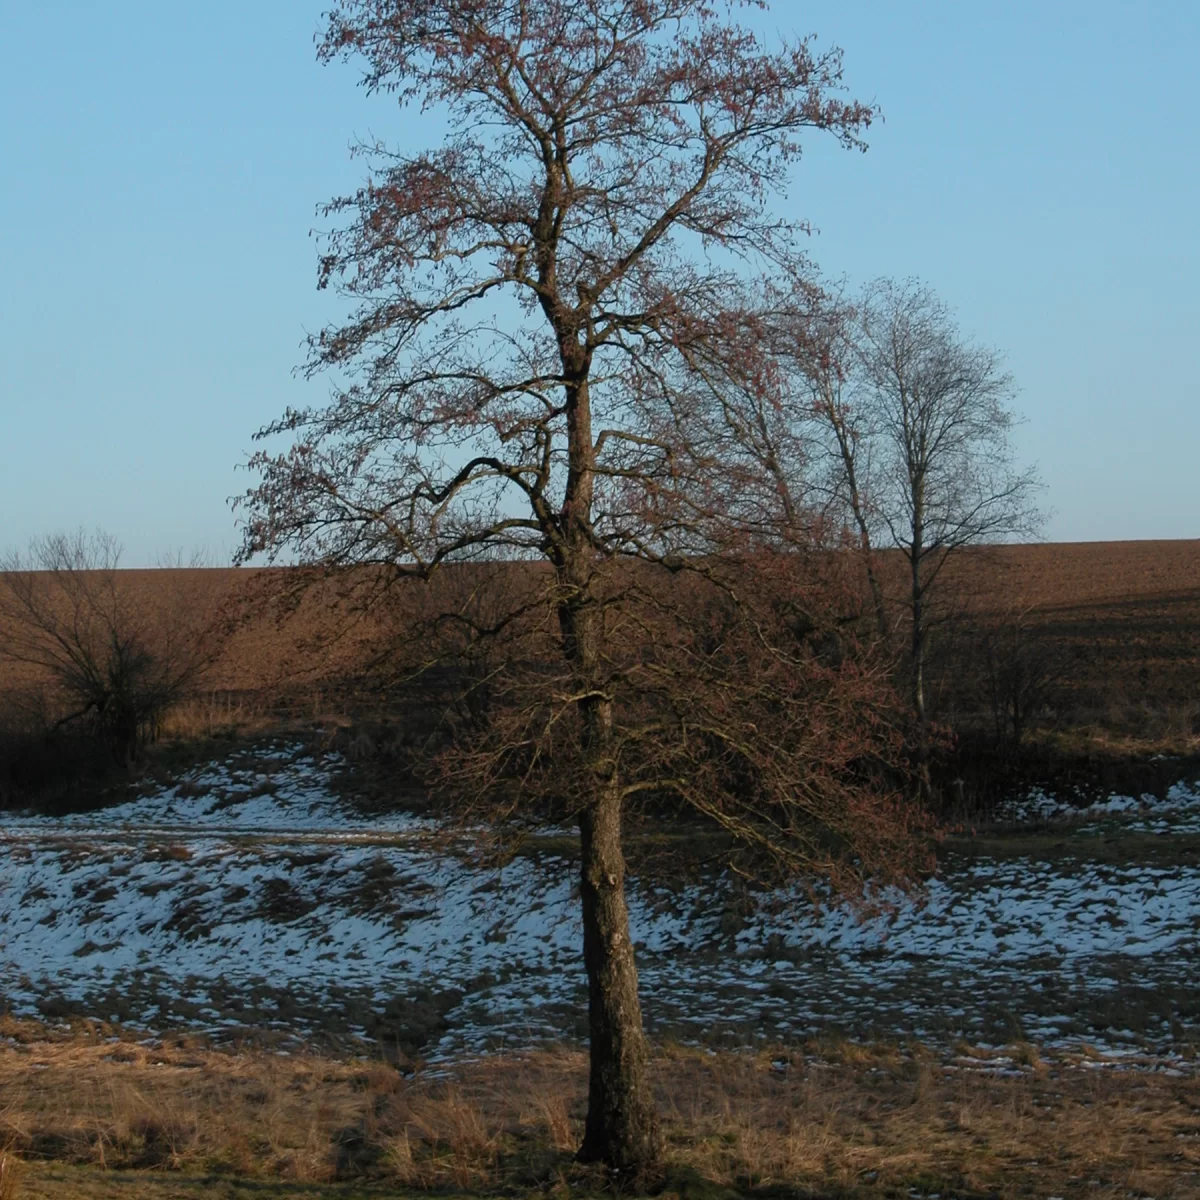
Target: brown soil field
[1120, 619]
[262, 645]
[1134, 605]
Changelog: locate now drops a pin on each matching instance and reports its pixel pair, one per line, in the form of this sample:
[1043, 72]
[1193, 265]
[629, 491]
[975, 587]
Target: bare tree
[798, 422]
[1020, 672]
[117, 660]
[820, 395]
[933, 408]
[521, 378]
[899, 429]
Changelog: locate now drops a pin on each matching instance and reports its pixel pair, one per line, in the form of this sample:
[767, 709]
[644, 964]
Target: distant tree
[819, 416]
[117, 661]
[1021, 673]
[943, 475]
[825, 353]
[883, 416]
[538, 302]
[899, 429]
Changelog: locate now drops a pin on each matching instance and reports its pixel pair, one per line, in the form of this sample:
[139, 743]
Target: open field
[239, 974]
[1123, 618]
[174, 1117]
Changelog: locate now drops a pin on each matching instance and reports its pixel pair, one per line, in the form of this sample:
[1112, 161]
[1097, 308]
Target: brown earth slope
[1121, 618]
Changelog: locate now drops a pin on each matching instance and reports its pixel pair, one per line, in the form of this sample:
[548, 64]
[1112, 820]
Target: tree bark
[881, 621]
[857, 509]
[916, 563]
[622, 1126]
[918, 645]
[924, 776]
[621, 1130]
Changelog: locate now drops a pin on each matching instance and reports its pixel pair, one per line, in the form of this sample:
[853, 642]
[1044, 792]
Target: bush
[114, 665]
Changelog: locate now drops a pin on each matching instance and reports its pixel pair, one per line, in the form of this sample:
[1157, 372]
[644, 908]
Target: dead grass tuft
[10, 1175]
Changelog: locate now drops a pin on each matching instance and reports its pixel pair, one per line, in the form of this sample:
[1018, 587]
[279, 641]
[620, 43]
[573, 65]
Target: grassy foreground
[91, 1117]
[58, 1182]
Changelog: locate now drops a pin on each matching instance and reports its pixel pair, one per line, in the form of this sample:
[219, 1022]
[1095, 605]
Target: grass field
[97, 1116]
[57, 1182]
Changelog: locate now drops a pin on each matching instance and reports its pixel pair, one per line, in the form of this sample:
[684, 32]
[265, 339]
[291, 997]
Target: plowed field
[1124, 618]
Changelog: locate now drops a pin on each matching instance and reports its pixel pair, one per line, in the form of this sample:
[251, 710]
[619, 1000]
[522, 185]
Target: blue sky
[1038, 165]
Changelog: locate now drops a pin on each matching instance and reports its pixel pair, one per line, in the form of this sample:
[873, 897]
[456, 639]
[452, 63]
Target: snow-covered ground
[1177, 812]
[250, 895]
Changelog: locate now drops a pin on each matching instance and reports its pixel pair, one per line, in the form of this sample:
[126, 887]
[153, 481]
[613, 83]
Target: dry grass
[841, 1120]
[891, 1121]
[116, 1105]
[60, 1181]
[216, 714]
[10, 1175]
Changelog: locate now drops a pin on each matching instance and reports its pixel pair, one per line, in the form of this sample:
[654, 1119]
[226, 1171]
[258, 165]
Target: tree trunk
[924, 778]
[864, 537]
[918, 654]
[622, 1127]
[881, 621]
[916, 560]
[857, 508]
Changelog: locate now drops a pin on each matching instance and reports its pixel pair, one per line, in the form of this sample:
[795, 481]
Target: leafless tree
[822, 379]
[117, 660]
[799, 421]
[906, 428]
[934, 410]
[1020, 672]
[537, 302]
